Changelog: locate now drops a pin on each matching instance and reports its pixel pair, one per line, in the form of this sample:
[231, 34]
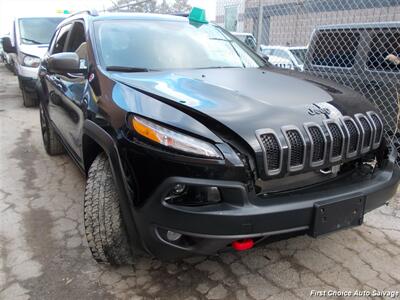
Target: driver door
[71, 93]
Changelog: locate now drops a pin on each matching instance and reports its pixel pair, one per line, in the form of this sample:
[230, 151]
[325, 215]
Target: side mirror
[65, 62]
[7, 46]
[265, 57]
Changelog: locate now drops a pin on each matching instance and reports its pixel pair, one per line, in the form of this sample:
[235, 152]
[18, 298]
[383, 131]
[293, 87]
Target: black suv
[356, 55]
[191, 143]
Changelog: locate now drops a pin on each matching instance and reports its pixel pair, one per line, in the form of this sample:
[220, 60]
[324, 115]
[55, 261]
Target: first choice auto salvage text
[354, 293]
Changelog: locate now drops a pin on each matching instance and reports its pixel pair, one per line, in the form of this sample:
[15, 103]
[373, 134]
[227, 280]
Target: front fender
[107, 144]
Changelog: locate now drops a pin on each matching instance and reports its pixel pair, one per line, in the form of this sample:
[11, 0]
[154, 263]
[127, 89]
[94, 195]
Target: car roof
[376, 25]
[125, 16]
[140, 16]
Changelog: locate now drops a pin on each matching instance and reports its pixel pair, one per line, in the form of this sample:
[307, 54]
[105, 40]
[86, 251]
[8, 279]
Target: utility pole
[260, 23]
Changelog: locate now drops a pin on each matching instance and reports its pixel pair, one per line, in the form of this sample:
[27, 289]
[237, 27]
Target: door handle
[54, 98]
[59, 83]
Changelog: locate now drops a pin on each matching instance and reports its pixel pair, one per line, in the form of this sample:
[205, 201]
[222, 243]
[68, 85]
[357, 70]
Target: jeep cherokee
[192, 143]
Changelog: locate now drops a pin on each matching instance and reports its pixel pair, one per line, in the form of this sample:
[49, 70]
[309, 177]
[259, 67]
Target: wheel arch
[94, 141]
[90, 150]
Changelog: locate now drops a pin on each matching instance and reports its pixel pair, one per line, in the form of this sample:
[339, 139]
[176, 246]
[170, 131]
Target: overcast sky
[11, 8]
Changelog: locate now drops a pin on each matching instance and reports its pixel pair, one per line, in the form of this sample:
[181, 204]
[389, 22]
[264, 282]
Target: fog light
[173, 236]
[182, 194]
[179, 189]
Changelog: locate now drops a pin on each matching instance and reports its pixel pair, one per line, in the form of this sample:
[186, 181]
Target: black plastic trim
[108, 144]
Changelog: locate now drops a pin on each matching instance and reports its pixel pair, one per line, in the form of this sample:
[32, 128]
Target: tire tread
[104, 228]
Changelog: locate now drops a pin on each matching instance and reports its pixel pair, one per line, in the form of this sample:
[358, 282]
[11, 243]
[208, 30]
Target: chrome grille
[333, 142]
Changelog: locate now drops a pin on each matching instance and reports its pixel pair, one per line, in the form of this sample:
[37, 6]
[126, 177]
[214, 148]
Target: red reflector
[243, 245]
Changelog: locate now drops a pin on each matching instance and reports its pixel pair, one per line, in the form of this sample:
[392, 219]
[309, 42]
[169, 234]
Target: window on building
[231, 18]
[335, 48]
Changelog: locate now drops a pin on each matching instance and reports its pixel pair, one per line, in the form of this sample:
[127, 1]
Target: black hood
[245, 100]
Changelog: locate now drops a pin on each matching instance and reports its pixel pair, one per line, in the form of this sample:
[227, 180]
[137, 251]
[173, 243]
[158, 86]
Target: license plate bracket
[334, 215]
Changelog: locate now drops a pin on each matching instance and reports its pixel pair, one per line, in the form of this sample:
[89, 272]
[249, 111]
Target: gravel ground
[44, 255]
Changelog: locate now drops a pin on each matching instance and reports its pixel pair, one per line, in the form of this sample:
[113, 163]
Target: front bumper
[28, 84]
[211, 228]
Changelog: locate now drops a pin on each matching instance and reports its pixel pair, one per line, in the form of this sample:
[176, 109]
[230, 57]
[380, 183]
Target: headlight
[173, 139]
[31, 61]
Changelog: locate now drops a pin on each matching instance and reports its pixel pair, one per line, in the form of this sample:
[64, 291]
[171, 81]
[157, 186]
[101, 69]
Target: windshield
[299, 54]
[160, 45]
[37, 30]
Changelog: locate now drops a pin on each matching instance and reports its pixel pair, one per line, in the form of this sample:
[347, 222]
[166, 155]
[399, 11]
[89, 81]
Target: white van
[29, 41]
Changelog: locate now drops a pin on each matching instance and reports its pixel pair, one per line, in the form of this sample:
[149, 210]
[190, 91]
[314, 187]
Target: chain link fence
[353, 42]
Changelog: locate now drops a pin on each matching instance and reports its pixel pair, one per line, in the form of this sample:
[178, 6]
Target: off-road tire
[51, 141]
[29, 99]
[104, 227]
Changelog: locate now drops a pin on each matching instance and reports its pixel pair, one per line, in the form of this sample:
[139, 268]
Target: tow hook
[242, 245]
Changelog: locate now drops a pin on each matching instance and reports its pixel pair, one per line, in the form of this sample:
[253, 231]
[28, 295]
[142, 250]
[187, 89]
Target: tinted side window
[53, 41]
[384, 48]
[61, 39]
[335, 48]
[77, 37]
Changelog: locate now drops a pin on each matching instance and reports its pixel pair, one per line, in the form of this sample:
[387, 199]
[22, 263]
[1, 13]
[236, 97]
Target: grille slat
[318, 144]
[296, 145]
[367, 131]
[379, 128]
[337, 139]
[353, 135]
[272, 150]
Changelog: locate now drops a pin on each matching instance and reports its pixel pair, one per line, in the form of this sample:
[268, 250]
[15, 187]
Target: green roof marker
[198, 15]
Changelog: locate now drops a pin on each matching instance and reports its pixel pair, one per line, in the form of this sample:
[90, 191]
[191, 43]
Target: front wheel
[104, 227]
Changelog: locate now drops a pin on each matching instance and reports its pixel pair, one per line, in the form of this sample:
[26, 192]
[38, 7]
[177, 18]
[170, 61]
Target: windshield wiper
[32, 41]
[126, 69]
